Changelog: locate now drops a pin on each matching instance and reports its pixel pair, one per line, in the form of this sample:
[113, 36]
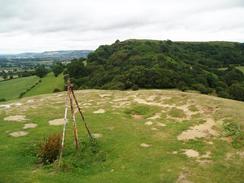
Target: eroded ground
[149, 136]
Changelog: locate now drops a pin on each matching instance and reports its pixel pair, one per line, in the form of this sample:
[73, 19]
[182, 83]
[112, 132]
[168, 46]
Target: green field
[48, 84]
[11, 89]
[241, 68]
[145, 136]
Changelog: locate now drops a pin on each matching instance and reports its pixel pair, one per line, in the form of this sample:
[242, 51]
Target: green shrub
[2, 99]
[230, 129]
[135, 87]
[237, 92]
[233, 130]
[56, 90]
[223, 94]
[22, 94]
[203, 89]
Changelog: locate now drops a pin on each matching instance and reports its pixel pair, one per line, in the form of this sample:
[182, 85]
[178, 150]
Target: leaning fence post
[64, 129]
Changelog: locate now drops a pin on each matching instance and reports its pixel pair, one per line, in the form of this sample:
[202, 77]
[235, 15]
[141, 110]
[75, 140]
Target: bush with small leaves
[2, 99]
[56, 90]
[49, 149]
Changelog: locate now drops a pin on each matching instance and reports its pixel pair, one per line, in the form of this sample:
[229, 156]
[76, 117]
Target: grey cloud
[65, 24]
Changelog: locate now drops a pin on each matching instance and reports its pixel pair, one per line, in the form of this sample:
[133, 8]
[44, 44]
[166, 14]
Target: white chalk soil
[145, 145]
[30, 125]
[97, 135]
[17, 118]
[56, 122]
[18, 134]
[99, 111]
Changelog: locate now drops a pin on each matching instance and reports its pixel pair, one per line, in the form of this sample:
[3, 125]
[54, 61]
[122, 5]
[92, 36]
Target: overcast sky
[39, 25]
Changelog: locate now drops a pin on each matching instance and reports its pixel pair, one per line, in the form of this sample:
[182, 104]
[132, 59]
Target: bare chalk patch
[204, 161]
[199, 131]
[6, 106]
[56, 122]
[191, 153]
[30, 125]
[206, 155]
[120, 99]
[137, 117]
[142, 101]
[30, 101]
[183, 178]
[17, 118]
[156, 116]
[97, 135]
[87, 104]
[145, 145]
[18, 104]
[99, 111]
[152, 98]
[105, 95]
[18, 133]
[148, 123]
[160, 124]
[230, 156]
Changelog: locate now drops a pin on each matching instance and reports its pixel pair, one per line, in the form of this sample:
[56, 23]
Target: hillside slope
[48, 55]
[143, 136]
[11, 89]
[30, 86]
[47, 85]
[150, 64]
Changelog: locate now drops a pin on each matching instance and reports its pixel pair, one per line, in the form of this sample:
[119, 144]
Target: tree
[57, 68]
[237, 92]
[4, 75]
[233, 75]
[41, 71]
[76, 69]
[161, 64]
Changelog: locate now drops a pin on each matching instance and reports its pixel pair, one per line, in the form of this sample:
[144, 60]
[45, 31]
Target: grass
[241, 68]
[118, 156]
[233, 130]
[177, 113]
[143, 110]
[11, 89]
[48, 84]
[193, 108]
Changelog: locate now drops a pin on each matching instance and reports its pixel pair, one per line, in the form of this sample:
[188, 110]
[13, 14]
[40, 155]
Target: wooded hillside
[134, 64]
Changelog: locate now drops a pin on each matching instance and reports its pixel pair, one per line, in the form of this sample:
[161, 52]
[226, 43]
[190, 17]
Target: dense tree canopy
[57, 68]
[41, 71]
[208, 67]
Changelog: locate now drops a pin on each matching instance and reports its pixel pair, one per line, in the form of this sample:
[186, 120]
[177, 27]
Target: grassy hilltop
[142, 136]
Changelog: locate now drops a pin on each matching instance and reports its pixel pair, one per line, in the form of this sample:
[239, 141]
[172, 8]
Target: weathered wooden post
[70, 97]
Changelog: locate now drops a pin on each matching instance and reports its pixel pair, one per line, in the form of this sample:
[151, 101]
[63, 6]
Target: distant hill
[49, 55]
[134, 64]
